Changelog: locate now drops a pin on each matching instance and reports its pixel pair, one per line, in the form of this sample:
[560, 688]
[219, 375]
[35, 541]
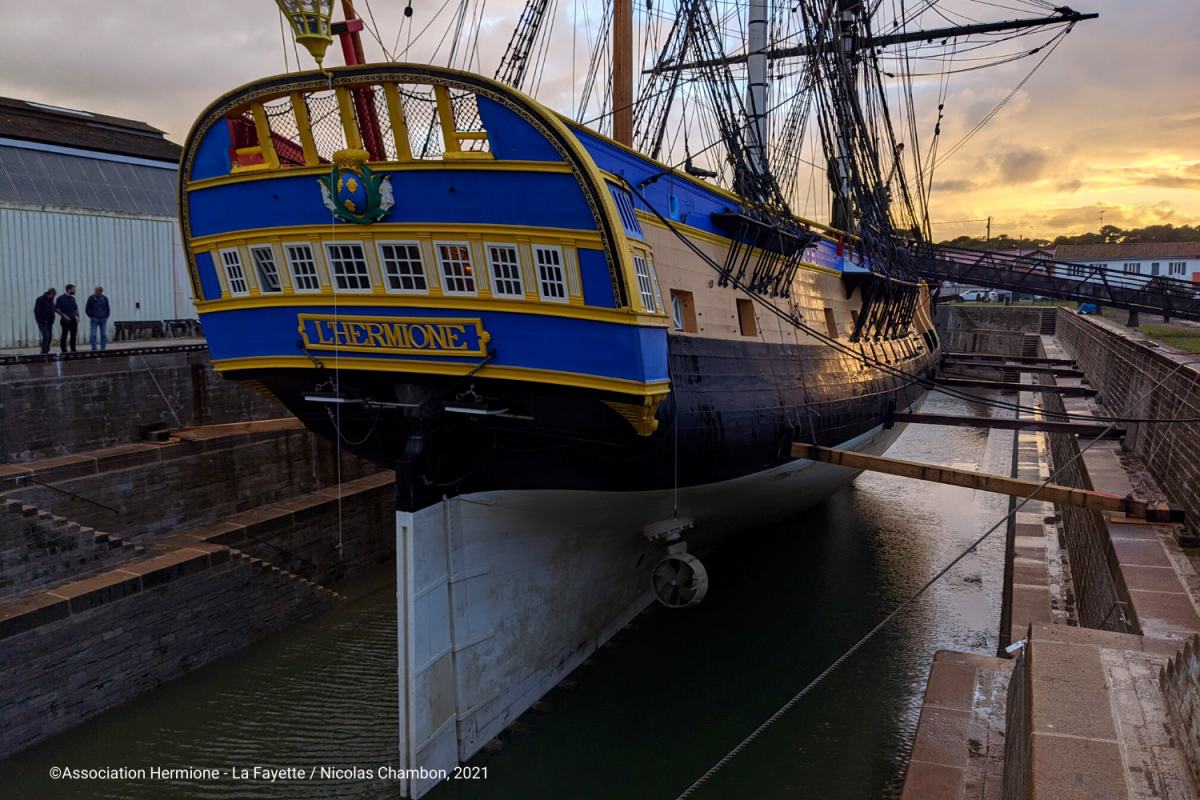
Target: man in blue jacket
[97, 311]
[43, 312]
[68, 310]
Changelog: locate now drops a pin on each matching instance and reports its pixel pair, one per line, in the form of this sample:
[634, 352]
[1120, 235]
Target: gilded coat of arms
[353, 192]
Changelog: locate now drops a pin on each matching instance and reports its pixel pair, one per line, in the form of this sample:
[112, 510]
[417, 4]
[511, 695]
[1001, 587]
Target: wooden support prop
[1061, 362]
[1058, 372]
[1085, 430]
[1063, 495]
[971, 383]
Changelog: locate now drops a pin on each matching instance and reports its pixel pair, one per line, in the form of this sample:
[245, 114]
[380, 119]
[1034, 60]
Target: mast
[756, 86]
[622, 71]
[1063, 16]
[842, 213]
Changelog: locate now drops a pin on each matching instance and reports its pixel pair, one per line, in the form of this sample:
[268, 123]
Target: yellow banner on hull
[394, 335]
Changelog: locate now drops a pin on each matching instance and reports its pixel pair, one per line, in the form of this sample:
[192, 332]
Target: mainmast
[756, 86]
[842, 213]
[622, 71]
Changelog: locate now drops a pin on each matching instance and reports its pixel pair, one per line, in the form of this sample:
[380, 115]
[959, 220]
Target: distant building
[90, 200]
[1034, 252]
[1179, 260]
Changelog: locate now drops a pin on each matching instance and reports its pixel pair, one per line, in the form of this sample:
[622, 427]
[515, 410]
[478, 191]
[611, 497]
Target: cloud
[1020, 166]
[1110, 121]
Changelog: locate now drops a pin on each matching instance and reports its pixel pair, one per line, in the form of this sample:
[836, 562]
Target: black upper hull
[734, 409]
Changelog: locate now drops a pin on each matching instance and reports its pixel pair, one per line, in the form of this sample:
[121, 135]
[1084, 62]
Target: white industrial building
[90, 200]
[1179, 260]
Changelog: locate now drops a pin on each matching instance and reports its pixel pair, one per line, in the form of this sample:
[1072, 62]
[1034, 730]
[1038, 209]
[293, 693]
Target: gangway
[1059, 280]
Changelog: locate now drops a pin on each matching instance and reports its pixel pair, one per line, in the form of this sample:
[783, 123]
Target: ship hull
[735, 409]
[502, 594]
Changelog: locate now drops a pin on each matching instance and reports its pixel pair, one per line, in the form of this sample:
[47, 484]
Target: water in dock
[653, 711]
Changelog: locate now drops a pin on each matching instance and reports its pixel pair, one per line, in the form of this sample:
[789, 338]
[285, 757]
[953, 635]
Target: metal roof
[1082, 252]
[78, 181]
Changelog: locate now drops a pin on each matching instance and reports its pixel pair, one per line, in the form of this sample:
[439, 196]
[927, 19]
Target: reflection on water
[657, 709]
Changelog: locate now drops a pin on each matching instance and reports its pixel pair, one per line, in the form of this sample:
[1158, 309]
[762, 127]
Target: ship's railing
[392, 122]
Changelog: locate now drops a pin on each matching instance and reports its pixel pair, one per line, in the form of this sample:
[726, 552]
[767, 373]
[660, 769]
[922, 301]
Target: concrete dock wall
[157, 489]
[70, 653]
[981, 329]
[1096, 575]
[1135, 380]
[59, 407]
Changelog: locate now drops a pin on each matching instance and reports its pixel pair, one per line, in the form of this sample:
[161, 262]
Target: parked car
[974, 296]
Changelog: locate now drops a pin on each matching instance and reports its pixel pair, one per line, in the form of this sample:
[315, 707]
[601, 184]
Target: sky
[1109, 123]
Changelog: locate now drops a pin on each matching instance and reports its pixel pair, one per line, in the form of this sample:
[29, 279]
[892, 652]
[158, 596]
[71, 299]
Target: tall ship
[585, 349]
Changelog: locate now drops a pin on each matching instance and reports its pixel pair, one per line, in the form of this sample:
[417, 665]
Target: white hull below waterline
[502, 594]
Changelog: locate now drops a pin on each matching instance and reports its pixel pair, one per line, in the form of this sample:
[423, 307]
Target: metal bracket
[669, 529]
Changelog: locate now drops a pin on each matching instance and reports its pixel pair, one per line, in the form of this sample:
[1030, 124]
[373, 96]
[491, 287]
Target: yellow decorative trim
[388, 167]
[307, 143]
[383, 230]
[349, 123]
[641, 417]
[656, 388]
[399, 122]
[463, 303]
[393, 335]
[265, 142]
[446, 117]
[557, 133]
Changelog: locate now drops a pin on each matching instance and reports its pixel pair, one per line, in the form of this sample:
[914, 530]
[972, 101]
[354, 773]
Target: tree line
[1109, 234]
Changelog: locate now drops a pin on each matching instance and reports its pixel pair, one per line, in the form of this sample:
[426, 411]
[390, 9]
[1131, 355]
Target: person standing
[97, 311]
[43, 312]
[68, 311]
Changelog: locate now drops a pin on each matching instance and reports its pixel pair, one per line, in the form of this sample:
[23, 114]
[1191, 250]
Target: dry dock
[137, 551]
[1098, 698]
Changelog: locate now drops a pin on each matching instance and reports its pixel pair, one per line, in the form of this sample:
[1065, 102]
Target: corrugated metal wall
[131, 256]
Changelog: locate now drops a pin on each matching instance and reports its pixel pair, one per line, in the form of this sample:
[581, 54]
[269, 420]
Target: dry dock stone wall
[89, 646]
[1165, 385]
[58, 407]
[157, 489]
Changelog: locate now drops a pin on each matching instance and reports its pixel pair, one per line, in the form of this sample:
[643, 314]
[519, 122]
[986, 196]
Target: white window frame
[446, 279]
[333, 276]
[654, 280]
[297, 278]
[383, 266]
[515, 265]
[562, 265]
[647, 283]
[230, 278]
[263, 281]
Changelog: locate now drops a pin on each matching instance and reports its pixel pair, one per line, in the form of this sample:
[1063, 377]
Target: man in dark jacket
[97, 311]
[43, 312]
[68, 311]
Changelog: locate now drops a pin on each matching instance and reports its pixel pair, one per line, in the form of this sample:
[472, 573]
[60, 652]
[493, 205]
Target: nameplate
[395, 335]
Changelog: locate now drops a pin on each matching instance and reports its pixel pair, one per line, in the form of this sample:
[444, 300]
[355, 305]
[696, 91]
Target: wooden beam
[622, 71]
[304, 126]
[349, 123]
[971, 383]
[1063, 495]
[399, 122]
[1085, 430]
[265, 142]
[1058, 372]
[1062, 362]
